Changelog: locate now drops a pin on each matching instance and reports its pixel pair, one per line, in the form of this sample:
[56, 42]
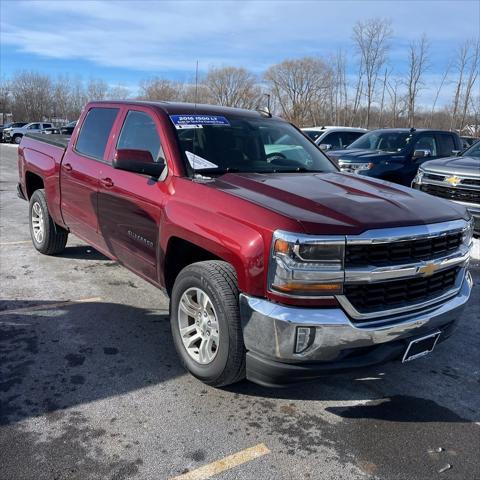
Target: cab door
[80, 172]
[130, 204]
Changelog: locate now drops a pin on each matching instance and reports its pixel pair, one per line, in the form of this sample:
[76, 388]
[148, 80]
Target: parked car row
[429, 160]
[13, 132]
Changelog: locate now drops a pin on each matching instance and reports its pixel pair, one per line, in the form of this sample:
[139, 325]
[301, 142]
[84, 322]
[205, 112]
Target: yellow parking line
[48, 306]
[226, 463]
[19, 242]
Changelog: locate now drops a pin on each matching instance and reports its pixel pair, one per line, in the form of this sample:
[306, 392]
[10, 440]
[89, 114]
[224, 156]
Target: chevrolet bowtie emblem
[428, 269]
[453, 180]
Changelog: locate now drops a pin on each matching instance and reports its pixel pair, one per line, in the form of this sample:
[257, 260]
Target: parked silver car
[15, 134]
[456, 178]
[333, 138]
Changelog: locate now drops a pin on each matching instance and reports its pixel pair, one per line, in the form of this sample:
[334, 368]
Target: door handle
[107, 182]
[67, 167]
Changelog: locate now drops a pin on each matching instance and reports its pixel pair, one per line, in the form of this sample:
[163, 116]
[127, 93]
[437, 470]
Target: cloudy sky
[123, 41]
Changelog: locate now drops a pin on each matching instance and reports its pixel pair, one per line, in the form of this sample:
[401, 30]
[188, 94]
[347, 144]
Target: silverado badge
[428, 269]
[453, 180]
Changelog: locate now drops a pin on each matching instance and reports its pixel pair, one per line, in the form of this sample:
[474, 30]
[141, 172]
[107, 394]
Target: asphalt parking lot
[90, 388]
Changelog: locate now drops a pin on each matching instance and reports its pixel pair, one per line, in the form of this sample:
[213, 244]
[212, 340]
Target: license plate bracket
[420, 347]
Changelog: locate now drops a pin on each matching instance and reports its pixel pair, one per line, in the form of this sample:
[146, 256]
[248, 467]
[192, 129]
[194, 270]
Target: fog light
[305, 337]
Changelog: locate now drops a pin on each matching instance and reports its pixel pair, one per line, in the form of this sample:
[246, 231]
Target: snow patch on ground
[475, 252]
[12, 145]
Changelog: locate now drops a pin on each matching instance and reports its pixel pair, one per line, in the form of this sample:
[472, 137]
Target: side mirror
[325, 146]
[138, 161]
[456, 153]
[422, 153]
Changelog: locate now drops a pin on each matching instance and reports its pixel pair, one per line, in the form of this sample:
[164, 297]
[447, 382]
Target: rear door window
[96, 128]
[34, 126]
[446, 144]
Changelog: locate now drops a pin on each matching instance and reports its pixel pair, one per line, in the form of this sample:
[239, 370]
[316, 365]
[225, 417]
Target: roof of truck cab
[180, 108]
[416, 130]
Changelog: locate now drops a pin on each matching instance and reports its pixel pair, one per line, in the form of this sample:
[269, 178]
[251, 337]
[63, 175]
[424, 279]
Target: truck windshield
[385, 141]
[243, 144]
[473, 151]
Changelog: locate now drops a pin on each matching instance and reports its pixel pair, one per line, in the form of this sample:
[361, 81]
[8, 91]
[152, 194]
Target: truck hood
[338, 203]
[469, 166]
[361, 155]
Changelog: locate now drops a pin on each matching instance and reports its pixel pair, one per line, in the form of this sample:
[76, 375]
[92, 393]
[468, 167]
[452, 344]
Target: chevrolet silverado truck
[456, 178]
[394, 154]
[279, 268]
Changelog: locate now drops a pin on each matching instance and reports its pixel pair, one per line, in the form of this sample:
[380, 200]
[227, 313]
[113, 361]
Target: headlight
[355, 167]
[304, 266]
[468, 232]
[418, 177]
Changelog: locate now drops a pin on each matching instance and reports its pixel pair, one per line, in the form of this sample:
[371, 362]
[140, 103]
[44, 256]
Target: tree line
[307, 91]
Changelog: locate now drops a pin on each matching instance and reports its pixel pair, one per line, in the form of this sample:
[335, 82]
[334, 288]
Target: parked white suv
[333, 138]
[14, 135]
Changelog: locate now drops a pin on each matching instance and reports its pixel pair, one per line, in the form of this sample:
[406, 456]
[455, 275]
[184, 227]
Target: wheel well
[179, 254]
[33, 182]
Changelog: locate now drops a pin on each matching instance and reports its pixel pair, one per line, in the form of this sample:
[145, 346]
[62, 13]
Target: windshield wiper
[216, 171]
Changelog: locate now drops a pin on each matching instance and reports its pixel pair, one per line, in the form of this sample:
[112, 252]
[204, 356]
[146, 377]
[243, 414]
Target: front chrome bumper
[269, 329]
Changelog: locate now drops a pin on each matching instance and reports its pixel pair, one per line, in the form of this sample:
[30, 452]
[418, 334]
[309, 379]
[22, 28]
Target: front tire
[47, 237]
[205, 322]
[17, 139]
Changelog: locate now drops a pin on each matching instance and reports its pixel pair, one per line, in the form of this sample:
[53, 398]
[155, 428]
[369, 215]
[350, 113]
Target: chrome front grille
[402, 252]
[451, 193]
[372, 297]
[393, 272]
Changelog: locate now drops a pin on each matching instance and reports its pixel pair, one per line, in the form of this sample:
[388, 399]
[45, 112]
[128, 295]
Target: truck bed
[53, 139]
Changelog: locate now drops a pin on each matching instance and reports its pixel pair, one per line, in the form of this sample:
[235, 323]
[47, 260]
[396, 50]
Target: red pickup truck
[279, 267]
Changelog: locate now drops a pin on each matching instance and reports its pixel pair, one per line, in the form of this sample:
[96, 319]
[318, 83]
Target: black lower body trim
[20, 192]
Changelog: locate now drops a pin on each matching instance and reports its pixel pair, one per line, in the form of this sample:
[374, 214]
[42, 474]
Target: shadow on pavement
[82, 252]
[54, 359]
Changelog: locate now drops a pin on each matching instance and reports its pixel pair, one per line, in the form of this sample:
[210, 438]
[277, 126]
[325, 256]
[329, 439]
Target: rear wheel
[205, 323]
[47, 237]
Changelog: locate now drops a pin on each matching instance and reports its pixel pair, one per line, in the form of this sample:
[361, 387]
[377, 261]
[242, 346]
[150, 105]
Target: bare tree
[31, 95]
[372, 40]
[160, 89]
[417, 64]
[296, 85]
[471, 79]
[196, 94]
[395, 100]
[62, 97]
[233, 87]
[437, 94]
[382, 101]
[118, 92]
[97, 90]
[4, 99]
[460, 65]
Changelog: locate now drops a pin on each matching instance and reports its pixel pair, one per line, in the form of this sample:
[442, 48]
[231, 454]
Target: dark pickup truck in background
[456, 178]
[394, 154]
[278, 266]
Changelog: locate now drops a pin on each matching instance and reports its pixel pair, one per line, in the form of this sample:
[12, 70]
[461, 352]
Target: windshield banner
[198, 121]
